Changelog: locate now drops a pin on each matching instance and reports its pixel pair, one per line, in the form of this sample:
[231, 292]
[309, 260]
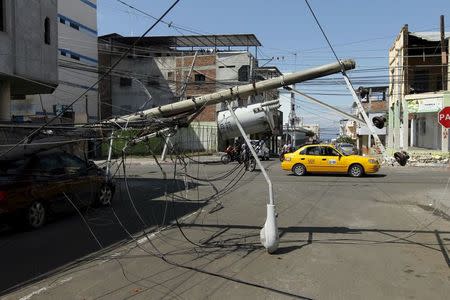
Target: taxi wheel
[299, 170]
[356, 170]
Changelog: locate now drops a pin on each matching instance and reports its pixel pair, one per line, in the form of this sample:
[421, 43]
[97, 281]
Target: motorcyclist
[245, 155]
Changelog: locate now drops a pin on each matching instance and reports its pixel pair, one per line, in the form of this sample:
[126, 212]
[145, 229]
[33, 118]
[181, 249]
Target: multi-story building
[28, 47]
[77, 67]
[418, 89]
[172, 68]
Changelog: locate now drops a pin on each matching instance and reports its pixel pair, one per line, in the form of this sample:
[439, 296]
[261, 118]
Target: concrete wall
[153, 72]
[397, 84]
[24, 52]
[198, 137]
[228, 65]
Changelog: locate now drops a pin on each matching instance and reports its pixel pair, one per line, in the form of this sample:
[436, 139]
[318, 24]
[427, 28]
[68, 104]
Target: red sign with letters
[444, 117]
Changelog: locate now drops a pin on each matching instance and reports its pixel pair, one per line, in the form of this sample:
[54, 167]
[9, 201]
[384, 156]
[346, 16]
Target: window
[2, 16]
[47, 164]
[74, 26]
[72, 163]
[62, 21]
[63, 53]
[199, 77]
[47, 31]
[73, 56]
[243, 73]
[124, 81]
[315, 150]
[328, 151]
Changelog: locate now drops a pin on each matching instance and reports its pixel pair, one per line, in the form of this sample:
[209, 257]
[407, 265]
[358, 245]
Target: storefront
[424, 129]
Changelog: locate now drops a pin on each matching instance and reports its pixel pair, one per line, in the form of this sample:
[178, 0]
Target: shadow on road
[28, 256]
[338, 175]
[391, 236]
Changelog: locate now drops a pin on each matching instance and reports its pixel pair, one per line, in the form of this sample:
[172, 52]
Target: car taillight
[2, 196]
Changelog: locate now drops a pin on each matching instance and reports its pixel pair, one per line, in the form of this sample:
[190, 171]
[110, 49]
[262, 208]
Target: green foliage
[141, 149]
[345, 139]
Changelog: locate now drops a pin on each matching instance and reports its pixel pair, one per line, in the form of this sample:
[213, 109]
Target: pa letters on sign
[445, 117]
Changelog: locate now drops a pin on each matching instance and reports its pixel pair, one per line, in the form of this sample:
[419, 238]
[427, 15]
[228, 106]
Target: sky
[290, 38]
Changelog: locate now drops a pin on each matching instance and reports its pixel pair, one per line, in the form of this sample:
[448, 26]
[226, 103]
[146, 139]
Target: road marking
[33, 293]
[43, 289]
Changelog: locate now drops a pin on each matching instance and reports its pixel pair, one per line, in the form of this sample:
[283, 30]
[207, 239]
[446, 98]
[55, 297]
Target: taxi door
[310, 157]
[330, 160]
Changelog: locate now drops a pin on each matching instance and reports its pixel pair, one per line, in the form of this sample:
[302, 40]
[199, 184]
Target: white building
[417, 91]
[77, 67]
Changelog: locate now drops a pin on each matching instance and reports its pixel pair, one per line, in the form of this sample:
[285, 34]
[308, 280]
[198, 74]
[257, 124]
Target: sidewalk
[149, 160]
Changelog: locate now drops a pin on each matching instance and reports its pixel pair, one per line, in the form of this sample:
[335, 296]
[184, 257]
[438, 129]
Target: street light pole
[269, 233]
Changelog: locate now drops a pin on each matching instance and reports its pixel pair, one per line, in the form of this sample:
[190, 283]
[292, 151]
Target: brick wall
[207, 115]
[376, 106]
[204, 65]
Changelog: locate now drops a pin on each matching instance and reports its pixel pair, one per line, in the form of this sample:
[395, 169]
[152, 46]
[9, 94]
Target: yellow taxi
[327, 159]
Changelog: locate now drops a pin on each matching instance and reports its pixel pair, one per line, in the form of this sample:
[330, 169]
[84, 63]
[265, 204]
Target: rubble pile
[429, 159]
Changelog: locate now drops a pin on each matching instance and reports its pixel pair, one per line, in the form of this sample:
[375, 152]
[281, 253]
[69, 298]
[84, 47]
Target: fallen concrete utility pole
[242, 91]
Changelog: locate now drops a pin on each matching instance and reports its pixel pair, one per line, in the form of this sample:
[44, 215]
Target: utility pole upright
[444, 60]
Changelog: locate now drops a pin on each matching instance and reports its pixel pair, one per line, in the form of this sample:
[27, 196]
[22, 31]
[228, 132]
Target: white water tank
[255, 118]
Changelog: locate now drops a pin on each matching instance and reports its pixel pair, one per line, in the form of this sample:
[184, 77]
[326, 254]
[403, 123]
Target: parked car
[346, 148]
[34, 187]
[327, 159]
[261, 149]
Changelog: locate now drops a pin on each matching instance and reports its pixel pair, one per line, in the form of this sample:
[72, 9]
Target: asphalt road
[381, 236]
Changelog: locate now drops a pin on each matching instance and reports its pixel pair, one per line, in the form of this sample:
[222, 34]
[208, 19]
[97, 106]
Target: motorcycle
[231, 154]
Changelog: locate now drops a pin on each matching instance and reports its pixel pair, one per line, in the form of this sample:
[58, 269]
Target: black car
[42, 184]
